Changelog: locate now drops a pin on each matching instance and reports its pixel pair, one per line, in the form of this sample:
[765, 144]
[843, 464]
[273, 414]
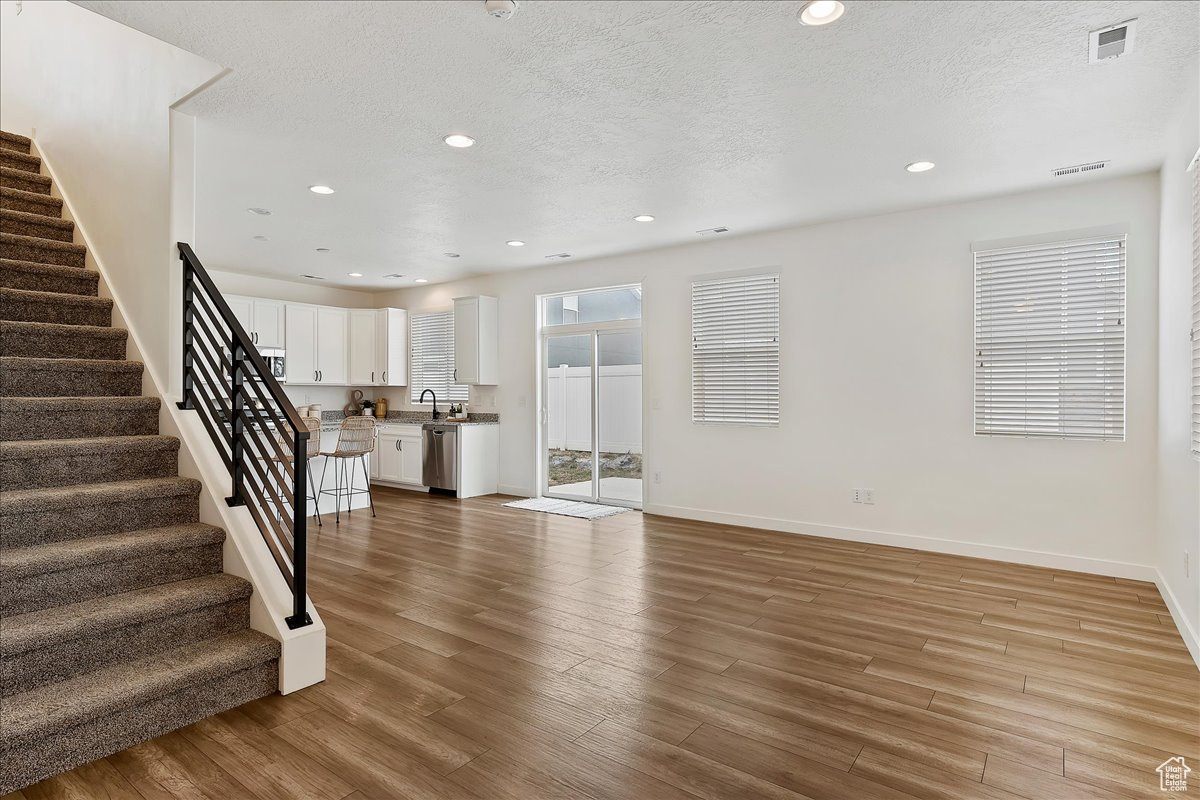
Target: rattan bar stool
[356, 438]
[314, 449]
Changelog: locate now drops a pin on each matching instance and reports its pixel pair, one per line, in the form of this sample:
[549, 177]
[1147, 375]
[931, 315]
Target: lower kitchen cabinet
[398, 455]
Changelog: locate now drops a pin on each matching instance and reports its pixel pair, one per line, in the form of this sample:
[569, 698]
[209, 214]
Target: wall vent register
[1050, 340]
[735, 350]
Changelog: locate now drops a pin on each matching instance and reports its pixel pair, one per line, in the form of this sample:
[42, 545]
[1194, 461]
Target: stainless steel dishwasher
[439, 456]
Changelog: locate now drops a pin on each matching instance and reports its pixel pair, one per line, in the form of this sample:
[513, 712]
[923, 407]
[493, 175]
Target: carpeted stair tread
[26, 632]
[15, 159]
[25, 501]
[30, 202]
[26, 181]
[56, 377]
[114, 447]
[56, 708]
[22, 562]
[15, 141]
[42, 251]
[50, 278]
[27, 418]
[22, 223]
[44, 463]
[23, 305]
[55, 340]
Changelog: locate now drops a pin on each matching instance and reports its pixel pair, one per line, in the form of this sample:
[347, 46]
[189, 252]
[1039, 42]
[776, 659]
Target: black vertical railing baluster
[300, 616]
[236, 446]
[188, 300]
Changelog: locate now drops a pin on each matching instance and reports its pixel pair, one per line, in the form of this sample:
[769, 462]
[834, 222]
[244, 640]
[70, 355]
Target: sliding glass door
[591, 396]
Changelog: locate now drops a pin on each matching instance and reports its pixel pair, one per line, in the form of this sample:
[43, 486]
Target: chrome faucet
[422, 400]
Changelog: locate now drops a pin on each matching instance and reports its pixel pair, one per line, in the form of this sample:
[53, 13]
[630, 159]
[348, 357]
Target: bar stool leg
[316, 497]
[367, 478]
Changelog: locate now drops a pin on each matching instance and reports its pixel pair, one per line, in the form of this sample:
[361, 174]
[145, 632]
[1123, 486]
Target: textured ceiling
[587, 113]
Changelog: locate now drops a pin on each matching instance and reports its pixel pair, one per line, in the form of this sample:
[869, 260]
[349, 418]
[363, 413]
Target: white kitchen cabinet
[397, 457]
[262, 319]
[476, 340]
[364, 343]
[388, 457]
[268, 323]
[378, 347]
[410, 459]
[391, 347]
[243, 311]
[316, 344]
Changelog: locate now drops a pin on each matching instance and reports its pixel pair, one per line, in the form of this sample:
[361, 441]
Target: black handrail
[227, 393]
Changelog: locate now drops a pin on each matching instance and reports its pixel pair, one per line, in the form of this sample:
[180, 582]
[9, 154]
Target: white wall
[1178, 470]
[876, 386]
[96, 95]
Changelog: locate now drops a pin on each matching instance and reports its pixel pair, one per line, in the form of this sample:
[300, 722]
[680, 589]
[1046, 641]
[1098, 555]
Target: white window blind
[432, 365]
[735, 350]
[1196, 309]
[1050, 340]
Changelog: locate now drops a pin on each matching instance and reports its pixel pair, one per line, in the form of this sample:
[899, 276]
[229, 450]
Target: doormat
[567, 508]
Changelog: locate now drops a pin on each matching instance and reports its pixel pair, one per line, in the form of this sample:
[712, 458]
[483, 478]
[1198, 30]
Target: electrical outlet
[658, 477]
[868, 496]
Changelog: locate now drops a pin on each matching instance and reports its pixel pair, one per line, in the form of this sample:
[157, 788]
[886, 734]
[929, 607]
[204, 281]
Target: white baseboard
[516, 491]
[1036, 558]
[1181, 621]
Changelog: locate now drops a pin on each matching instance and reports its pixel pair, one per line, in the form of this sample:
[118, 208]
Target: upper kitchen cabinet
[476, 340]
[379, 347]
[316, 344]
[262, 319]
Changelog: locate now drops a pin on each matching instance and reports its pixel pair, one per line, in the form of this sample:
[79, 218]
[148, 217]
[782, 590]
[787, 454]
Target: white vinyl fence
[568, 397]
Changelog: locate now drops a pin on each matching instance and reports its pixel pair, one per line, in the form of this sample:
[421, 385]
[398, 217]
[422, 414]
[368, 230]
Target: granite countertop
[334, 418]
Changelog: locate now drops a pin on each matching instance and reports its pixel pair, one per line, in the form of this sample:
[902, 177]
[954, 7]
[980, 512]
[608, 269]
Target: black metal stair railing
[253, 424]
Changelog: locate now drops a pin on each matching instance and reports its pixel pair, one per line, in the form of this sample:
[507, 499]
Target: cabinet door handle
[314, 376]
[385, 376]
[372, 376]
[397, 444]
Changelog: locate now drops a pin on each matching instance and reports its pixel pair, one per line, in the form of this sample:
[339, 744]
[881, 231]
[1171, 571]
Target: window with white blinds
[1196, 310]
[1050, 340]
[735, 350]
[432, 357]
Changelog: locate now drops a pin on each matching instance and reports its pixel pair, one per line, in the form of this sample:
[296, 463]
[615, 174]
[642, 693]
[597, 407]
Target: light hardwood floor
[477, 651]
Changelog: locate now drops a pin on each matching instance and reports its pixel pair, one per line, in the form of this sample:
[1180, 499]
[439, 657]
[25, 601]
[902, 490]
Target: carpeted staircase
[116, 622]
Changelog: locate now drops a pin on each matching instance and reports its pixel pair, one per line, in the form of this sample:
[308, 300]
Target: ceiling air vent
[1111, 42]
[313, 277]
[394, 275]
[559, 255]
[1078, 168]
[713, 231]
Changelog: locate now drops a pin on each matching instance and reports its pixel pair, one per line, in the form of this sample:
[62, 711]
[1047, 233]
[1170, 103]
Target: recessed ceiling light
[322, 249]
[515, 243]
[821, 12]
[260, 238]
[421, 280]
[451, 255]
[458, 140]
[262, 212]
[320, 189]
[643, 218]
[920, 166]
[354, 274]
